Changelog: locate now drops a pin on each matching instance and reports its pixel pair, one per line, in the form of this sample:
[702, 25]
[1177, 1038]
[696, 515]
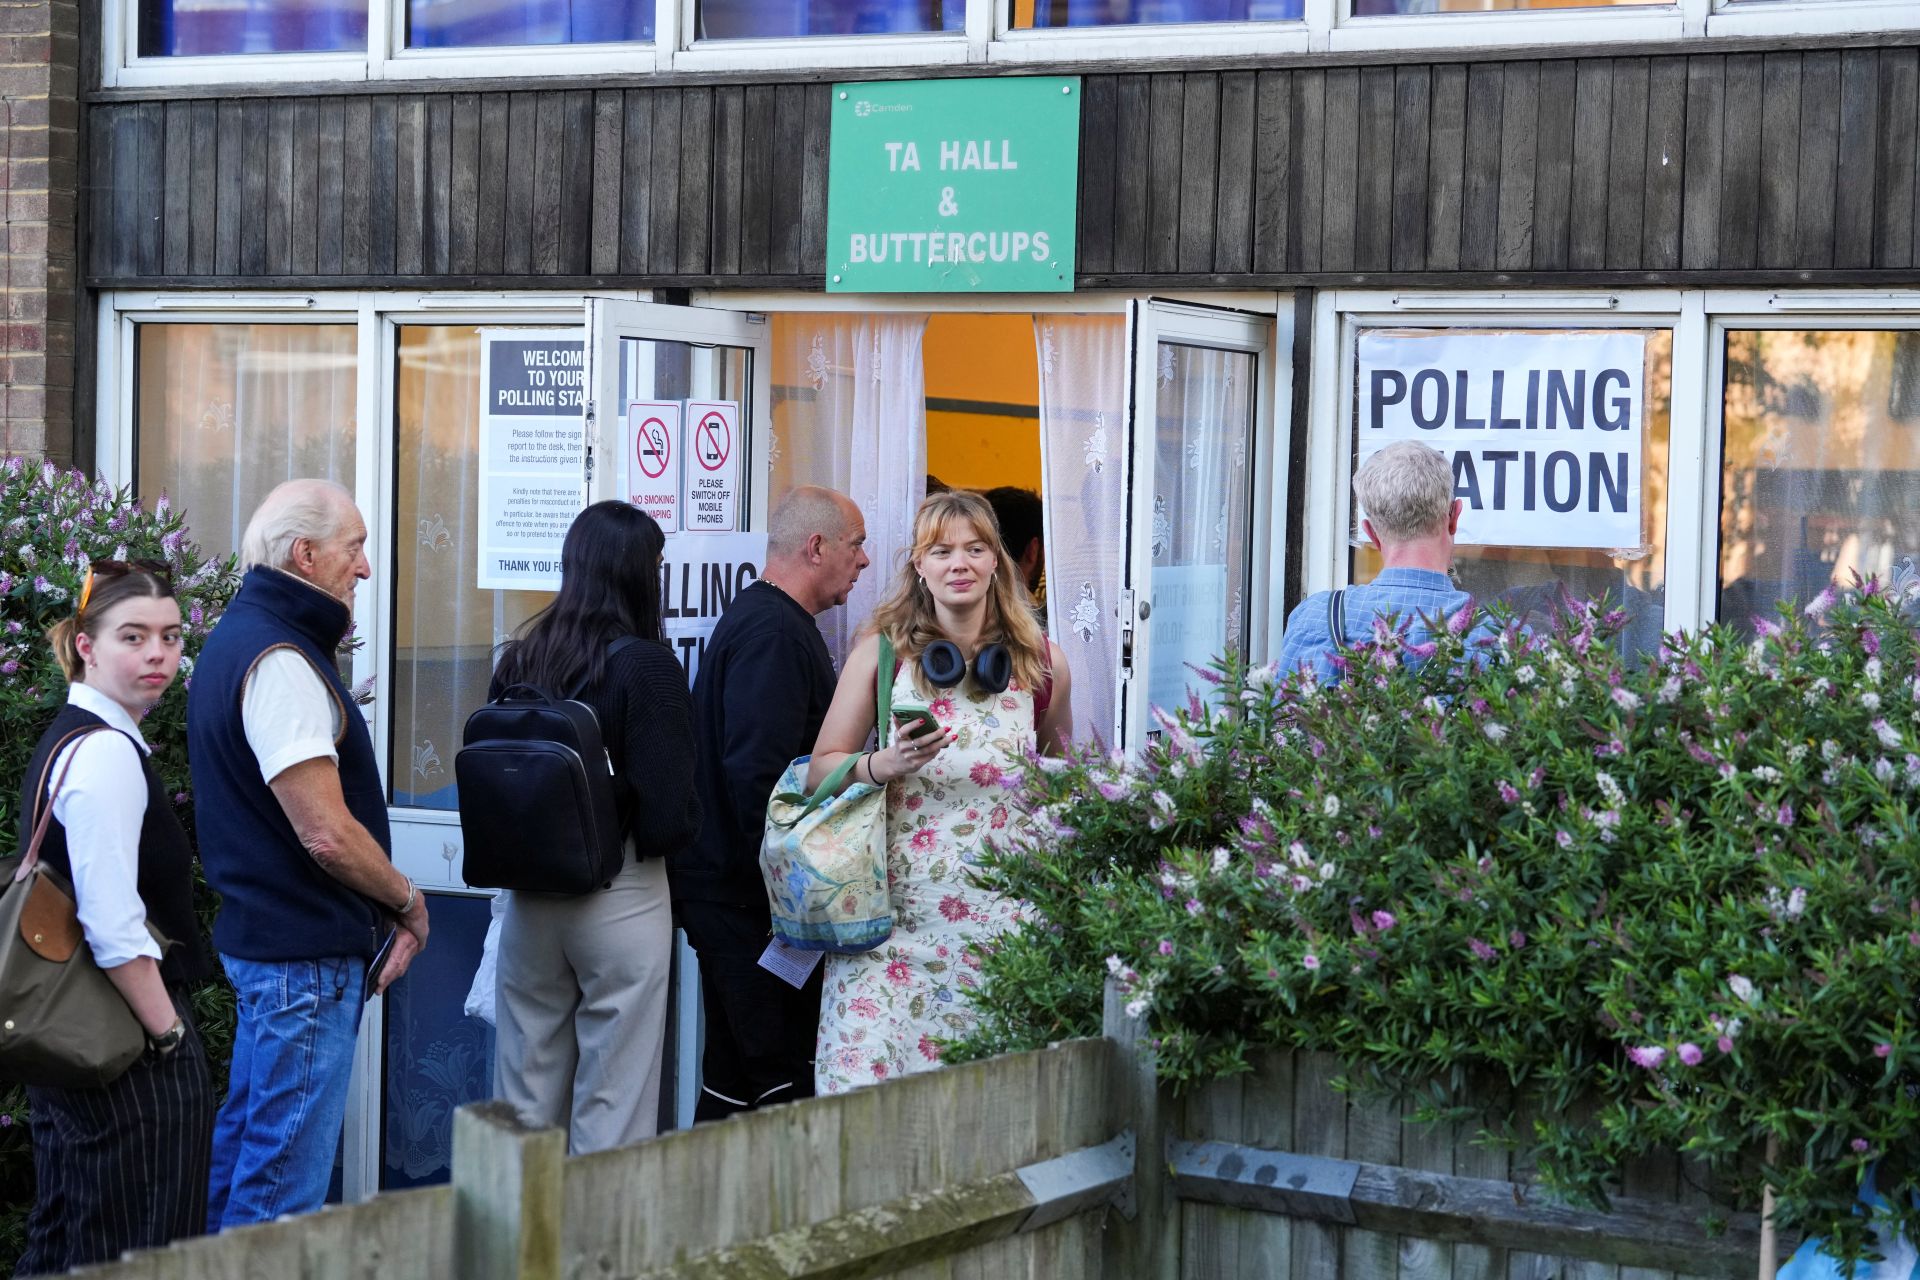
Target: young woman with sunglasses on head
[969, 646]
[125, 1166]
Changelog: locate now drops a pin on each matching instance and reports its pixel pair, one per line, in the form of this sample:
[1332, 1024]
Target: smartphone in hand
[913, 717]
[379, 962]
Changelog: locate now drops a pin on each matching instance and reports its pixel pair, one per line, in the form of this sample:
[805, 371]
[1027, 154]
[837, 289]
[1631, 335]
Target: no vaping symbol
[712, 442]
[653, 448]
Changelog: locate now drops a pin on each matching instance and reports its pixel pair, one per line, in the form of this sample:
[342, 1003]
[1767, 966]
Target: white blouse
[102, 804]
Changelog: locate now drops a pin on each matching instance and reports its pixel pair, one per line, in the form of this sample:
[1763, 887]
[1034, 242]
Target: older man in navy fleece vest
[292, 820]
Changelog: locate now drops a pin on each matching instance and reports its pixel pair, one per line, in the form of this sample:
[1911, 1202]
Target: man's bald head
[804, 512]
[816, 547]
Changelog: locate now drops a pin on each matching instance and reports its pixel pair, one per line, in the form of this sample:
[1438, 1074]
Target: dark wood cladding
[1796, 165]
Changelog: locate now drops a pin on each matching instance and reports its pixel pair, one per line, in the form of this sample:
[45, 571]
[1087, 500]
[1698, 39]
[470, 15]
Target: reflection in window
[746, 19]
[444, 627]
[1202, 487]
[1117, 13]
[1380, 8]
[185, 28]
[224, 412]
[466, 24]
[1821, 463]
[437, 1059]
[1532, 581]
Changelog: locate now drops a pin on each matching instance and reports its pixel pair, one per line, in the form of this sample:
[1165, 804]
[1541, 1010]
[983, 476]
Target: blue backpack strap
[1337, 618]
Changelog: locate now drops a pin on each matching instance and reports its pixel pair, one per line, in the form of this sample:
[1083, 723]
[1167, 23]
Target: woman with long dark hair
[124, 1166]
[581, 996]
[970, 647]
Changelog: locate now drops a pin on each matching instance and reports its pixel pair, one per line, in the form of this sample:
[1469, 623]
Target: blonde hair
[1406, 490]
[907, 616]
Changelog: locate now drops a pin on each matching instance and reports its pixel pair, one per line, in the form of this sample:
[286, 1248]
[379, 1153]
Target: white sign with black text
[1545, 430]
[712, 467]
[650, 463]
[533, 451]
[701, 574]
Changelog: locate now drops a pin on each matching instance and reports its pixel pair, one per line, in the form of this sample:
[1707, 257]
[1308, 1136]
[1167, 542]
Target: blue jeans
[275, 1139]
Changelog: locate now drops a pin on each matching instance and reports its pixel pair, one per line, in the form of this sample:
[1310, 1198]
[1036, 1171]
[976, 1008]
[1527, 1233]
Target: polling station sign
[533, 451]
[1545, 430]
[700, 574]
[964, 185]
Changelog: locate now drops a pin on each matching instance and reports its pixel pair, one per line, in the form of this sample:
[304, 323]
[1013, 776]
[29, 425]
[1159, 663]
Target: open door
[711, 363]
[1200, 450]
[676, 422]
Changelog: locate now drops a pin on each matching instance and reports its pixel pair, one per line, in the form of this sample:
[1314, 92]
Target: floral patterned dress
[883, 1010]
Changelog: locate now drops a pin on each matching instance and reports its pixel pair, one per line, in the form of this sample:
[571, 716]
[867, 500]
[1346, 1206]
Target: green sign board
[954, 186]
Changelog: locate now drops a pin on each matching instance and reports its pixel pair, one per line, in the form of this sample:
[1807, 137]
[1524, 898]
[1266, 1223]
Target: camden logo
[864, 108]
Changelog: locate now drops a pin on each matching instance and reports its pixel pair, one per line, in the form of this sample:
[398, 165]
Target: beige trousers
[581, 999]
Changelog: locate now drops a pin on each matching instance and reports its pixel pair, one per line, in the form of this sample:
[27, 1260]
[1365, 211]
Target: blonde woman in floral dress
[970, 648]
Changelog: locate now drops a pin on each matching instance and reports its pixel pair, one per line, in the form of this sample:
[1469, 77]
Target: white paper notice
[790, 964]
[712, 499]
[650, 466]
[701, 573]
[532, 454]
[1544, 430]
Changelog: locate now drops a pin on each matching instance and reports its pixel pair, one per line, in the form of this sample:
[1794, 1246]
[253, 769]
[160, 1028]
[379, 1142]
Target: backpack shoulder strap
[1337, 618]
[615, 647]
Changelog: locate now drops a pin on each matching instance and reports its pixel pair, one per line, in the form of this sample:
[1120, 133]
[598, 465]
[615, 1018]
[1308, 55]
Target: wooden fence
[1065, 1164]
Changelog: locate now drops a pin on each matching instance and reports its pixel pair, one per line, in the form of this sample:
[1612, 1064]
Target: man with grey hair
[764, 685]
[292, 817]
[1409, 513]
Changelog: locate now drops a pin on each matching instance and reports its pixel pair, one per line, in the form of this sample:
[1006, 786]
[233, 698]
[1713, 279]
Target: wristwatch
[163, 1045]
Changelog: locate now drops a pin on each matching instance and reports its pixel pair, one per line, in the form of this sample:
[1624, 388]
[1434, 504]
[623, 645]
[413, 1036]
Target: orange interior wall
[983, 358]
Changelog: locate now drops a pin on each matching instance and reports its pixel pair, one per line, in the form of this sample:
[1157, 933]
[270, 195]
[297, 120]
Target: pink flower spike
[1384, 920]
[1724, 1044]
[1690, 1054]
[1882, 1050]
[1481, 949]
[1166, 947]
[1859, 1145]
[1310, 961]
[1649, 1056]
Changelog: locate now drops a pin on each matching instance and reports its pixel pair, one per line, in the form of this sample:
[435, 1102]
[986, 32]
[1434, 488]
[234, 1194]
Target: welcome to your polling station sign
[967, 186]
[1545, 430]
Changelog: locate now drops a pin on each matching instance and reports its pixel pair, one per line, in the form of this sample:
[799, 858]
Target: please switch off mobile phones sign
[681, 463]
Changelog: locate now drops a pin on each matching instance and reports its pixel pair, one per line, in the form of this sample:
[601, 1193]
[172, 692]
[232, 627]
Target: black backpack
[537, 807]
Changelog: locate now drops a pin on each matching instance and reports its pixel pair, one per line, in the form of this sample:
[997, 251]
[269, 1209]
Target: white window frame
[990, 38]
[1778, 309]
[1339, 315]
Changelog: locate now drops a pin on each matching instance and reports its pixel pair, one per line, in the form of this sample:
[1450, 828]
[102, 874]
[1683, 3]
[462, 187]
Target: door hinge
[588, 425]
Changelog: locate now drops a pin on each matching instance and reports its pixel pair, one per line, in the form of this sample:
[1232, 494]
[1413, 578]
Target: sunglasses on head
[120, 569]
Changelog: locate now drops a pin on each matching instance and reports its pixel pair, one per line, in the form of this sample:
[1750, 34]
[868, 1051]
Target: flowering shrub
[52, 523]
[1673, 905]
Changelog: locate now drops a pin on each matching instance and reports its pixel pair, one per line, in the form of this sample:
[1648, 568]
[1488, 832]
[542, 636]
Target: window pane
[187, 27]
[741, 19]
[1116, 13]
[444, 627]
[1531, 580]
[1379, 8]
[1201, 491]
[463, 24]
[224, 412]
[1821, 463]
[437, 1059]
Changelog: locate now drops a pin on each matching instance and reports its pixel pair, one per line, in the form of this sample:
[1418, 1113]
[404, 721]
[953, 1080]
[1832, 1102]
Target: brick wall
[39, 167]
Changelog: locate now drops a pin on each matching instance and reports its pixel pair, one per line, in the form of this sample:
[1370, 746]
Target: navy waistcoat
[276, 901]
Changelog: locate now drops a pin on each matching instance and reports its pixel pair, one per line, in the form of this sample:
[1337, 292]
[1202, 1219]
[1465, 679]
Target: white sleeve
[287, 712]
[102, 804]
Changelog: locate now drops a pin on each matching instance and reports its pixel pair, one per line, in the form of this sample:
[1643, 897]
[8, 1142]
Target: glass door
[1200, 443]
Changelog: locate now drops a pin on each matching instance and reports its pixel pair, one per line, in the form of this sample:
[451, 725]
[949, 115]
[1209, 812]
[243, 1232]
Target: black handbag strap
[1337, 618]
[31, 859]
[614, 649]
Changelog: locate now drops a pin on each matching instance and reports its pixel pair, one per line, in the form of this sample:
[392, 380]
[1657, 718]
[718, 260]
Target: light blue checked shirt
[1413, 596]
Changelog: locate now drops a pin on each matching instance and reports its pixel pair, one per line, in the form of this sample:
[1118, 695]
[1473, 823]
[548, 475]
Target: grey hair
[295, 509]
[1406, 490]
[804, 512]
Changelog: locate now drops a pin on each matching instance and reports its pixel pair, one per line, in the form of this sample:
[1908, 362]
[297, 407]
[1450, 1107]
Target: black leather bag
[537, 809]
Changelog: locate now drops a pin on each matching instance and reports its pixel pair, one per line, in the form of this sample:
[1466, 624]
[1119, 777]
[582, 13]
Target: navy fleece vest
[276, 902]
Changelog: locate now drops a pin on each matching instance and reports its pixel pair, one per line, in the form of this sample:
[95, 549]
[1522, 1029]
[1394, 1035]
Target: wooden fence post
[1146, 1243]
[508, 1188]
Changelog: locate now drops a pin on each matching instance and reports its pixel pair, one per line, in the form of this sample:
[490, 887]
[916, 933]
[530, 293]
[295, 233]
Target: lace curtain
[850, 413]
[1083, 442]
[227, 411]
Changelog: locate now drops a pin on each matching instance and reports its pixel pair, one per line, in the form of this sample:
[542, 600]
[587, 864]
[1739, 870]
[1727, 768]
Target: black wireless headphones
[945, 666]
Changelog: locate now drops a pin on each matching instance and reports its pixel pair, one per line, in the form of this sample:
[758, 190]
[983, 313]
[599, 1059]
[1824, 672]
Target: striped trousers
[124, 1167]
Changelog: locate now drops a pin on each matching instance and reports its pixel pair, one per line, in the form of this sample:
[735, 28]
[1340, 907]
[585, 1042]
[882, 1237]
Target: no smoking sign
[712, 493]
[650, 464]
